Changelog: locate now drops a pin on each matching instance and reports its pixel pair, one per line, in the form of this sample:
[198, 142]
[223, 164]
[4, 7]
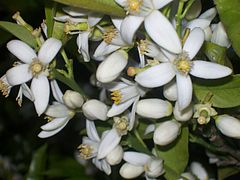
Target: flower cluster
[143, 73]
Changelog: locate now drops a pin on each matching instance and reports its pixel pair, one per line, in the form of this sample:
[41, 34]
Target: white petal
[198, 170]
[74, 11]
[21, 50]
[201, 23]
[117, 22]
[106, 167]
[82, 42]
[57, 110]
[46, 134]
[105, 49]
[136, 158]
[70, 19]
[162, 32]
[156, 76]
[121, 2]
[54, 124]
[209, 70]
[150, 128]
[48, 50]
[159, 4]
[209, 14]
[92, 131]
[220, 37]
[57, 93]
[27, 92]
[18, 74]
[41, 91]
[108, 143]
[133, 113]
[112, 67]
[194, 42]
[129, 171]
[184, 87]
[93, 19]
[129, 27]
[118, 109]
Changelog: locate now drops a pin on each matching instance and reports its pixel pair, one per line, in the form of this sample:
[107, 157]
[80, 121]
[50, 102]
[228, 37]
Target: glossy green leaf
[225, 91]
[38, 164]
[224, 172]
[20, 32]
[50, 11]
[216, 53]
[175, 156]
[102, 6]
[229, 11]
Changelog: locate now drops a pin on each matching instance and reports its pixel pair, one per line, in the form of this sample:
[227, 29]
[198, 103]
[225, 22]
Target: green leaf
[38, 164]
[175, 156]
[20, 32]
[224, 172]
[102, 6]
[50, 11]
[229, 11]
[225, 91]
[216, 53]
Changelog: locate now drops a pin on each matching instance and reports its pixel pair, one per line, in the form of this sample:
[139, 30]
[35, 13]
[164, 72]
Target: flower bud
[170, 91]
[73, 99]
[129, 171]
[220, 37]
[187, 176]
[166, 132]
[184, 115]
[154, 168]
[194, 10]
[112, 67]
[154, 108]
[115, 156]
[198, 170]
[95, 109]
[228, 125]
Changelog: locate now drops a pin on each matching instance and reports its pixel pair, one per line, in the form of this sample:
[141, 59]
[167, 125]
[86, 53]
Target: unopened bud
[183, 115]
[73, 99]
[154, 168]
[115, 156]
[198, 170]
[130, 171]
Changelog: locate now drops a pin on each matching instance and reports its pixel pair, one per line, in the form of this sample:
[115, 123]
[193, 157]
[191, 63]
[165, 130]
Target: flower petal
[82, 42]
[121, 2]
[92, 131]
[48, 50]
[118, 109]
[93, 19]
[108, 143]
[21, 50]
[184, 91]
[136, 158]
[194, 42]
[209, 70]
[156, 76]
[209, 14]
[18, 74]
[201, 23]
[162, 32]
[105, 49]
[57, 110]
[129, 27]
[57, 93]
[41, 91]
[54, 124]
[133, 113]
[159, 4]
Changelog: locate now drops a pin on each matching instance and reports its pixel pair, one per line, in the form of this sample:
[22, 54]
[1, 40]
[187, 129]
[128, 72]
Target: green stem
[189, 4]
[68, 64]
[179, 18]
[140, 139]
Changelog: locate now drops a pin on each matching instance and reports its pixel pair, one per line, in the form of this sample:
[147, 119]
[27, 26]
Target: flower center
[4, 88]
[116, 96]
[121, 125]
[183, 63]
[134, 6]
[36, 67]
[110, 34]
[85, 151]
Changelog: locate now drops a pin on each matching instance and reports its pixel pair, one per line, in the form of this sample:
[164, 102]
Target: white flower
[198, 170]
[156, 24]
[166, 132]
[58, 114]
[33, 67]
[219, 36]
[181, 65]
[89, 148]
[228, 125]
[124, 94]
[112, 67]
[73, 99]
[154, 108]
[95, 109]
[137, 163]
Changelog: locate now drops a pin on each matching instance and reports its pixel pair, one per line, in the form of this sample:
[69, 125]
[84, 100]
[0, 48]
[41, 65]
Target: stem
[189, 4]
[179, 18]
[68, 64]
[140, 139]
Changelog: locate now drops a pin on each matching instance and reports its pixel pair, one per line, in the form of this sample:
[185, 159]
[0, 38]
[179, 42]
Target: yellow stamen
[48, 118]
[121, 125]
[4, 88]
[85, 151]
[36, 67]
[183, 63]
[134, 6]
[110, 34]
[116, 96]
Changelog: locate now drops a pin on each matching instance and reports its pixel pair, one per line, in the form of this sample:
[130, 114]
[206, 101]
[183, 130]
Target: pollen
[85, 151]
[4, 88]
[121, 124]
[36, 67]
[183, 63]
[116, 96]
[110, 34]
[134, 6]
